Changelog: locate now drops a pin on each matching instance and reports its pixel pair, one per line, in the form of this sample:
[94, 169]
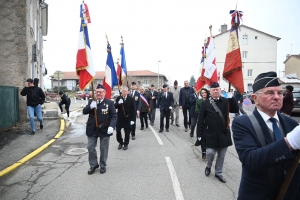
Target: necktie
[276, 130]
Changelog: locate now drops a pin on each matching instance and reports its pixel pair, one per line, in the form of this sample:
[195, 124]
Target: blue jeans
[38, 112]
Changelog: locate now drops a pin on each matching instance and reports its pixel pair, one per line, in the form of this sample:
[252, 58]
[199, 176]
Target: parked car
[296, 100]
[78, 95]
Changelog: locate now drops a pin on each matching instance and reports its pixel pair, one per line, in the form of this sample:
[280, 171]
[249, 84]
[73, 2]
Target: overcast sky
[170, 31]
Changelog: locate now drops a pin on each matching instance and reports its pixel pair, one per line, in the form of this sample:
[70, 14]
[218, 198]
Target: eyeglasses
[271, 93]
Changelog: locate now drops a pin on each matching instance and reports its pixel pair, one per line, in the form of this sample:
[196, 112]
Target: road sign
[247, 102]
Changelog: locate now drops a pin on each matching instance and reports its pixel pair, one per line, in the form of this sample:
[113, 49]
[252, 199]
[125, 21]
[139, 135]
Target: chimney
[287, 56]
[223, 28]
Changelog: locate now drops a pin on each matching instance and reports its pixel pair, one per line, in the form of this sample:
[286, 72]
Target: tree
[192, 81]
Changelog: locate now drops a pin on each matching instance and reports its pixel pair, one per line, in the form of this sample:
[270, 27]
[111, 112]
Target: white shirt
[267, 121]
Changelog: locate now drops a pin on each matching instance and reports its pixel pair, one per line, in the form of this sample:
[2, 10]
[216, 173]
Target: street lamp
[158, 74]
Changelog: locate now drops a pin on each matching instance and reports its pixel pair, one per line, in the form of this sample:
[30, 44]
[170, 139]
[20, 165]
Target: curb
[35, 152]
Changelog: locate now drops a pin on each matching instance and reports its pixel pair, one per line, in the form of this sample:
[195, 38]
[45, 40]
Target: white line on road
[176, 186]
[156, 135]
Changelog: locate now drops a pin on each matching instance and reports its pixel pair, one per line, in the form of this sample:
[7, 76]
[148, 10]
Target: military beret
[99, 86]
[165, 85]
[133, 83]
[175, 82]
[267, 79]
[214, 85]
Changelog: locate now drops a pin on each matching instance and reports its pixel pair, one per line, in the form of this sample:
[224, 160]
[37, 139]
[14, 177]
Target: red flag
[233, 63]
[201, 80]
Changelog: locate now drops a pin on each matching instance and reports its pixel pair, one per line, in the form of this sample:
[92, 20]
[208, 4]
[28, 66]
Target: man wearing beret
[213, 120]
[165, 103]
[107, 119]
[137, 100]
[266, 142]
[175, 91]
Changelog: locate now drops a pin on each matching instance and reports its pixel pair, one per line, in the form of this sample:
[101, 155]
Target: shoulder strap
[261, 138]
[213, 103]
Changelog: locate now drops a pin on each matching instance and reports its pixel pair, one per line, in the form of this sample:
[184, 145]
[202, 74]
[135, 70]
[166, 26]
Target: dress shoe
[191, 134]
[177, 125]
[172, 121]
[125, 147]
[167, 130]
[147, 126]
[221, 178]
[186, 130]
[203, 156]
[133, 137]
[32, 133]
[102, 170]
[207, 171]
[41, 126]
[142, 128]
[151, 123]
[161, 130]
[92, 169]
[120, 146]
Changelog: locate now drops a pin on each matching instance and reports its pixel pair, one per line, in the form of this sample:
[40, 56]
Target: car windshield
[296, 95]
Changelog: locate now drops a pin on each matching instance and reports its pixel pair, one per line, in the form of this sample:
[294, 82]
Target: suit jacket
[153, 101]
[256, 159]
[137, 99]
[105, 110]
[165, 103]
[130, 112]
[143, 106]
[209, 119]
[182, 95]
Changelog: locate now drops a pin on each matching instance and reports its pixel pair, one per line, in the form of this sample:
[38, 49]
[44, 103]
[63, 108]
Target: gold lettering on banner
[232, 42]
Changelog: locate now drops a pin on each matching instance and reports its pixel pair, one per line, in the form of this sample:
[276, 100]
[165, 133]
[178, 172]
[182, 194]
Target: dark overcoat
[153, 101]
[193, 100]
[105, 110]
[143, 106]
[209, 119]
[165, 103]
[256, 159]
[130, 112]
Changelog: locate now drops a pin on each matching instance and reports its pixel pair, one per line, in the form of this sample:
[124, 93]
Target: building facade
[23, 25]
[141, 77]
[258, 51]
[292, 65]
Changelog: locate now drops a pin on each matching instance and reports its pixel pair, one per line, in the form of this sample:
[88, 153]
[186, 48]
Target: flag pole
[122, 44]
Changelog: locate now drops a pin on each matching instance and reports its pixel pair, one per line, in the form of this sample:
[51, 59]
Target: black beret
[165, 85]
[214, 85]
[290, 88]
[175, 82]
[267, 79]
[99, 86]
[133, 83]
[152, 85]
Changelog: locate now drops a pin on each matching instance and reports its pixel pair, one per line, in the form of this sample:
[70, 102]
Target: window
[256, 37]
[245, 54]
[250, 72]
[145, 81]
[245, 39]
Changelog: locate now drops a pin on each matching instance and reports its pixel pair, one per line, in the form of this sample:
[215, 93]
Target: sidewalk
[16, 143]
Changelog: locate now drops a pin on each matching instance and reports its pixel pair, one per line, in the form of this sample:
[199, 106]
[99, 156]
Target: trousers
[210, 155]
[38, 112]
[91, 146]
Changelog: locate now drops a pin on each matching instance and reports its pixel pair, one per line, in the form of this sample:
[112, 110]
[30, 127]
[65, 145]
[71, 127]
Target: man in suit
[144, 107]
[152, 111]
[137, 100]
[213, 121]
[266, 154]
[107, 119]
[166, 103]
[175, 91]
[184, 103]
[126, 116]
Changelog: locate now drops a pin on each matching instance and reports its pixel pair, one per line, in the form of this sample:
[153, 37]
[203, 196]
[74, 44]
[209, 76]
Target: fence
[9, 106]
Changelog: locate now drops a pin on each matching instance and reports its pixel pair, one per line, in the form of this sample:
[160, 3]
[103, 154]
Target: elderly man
[185, 104]
[126, 117]
[107, 119]
[137, 100]
[154, 97]
[175, 91]
[144, 107]
[266, 142]
[214, 120]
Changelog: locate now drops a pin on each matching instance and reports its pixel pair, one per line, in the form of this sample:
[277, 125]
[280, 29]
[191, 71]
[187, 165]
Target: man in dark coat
[126, 117]
[153, 102]
[144, 107]
[184, 103]
[165, 103]
[64, 100]
[239, 98]
[137, 100]
[107, 119]
[218, 136]
[288, 101]
[264, 166]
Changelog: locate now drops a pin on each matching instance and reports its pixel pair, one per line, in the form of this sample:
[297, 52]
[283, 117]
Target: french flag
[84, 63]
[210, 65]
[201, 80]
[122, 69]
[110, 78]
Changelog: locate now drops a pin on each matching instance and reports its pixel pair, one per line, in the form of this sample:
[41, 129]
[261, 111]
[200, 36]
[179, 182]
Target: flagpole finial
[122, 43]
[82, 1]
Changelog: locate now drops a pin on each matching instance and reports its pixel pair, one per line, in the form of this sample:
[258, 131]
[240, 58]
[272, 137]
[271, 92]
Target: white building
[258, 51]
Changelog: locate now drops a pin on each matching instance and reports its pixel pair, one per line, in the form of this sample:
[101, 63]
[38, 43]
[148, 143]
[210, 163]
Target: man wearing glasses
[266, 142]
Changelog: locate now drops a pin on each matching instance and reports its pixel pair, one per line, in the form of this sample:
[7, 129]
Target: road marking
[156, 135]
[176, 186]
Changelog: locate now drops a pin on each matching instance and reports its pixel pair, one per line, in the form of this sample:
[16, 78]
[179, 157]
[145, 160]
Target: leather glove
[229, 95]
[294, 137]
[93, 104]
[131, 122]
[110, 130]
[120, 101]
[170, 107]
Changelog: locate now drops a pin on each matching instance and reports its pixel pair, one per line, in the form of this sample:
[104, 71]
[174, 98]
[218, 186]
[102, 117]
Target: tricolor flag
[201, 80]
[210, 64]
[110, 78]
[84, 64]
[121, 69]
[144, 99]
[233, 63]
